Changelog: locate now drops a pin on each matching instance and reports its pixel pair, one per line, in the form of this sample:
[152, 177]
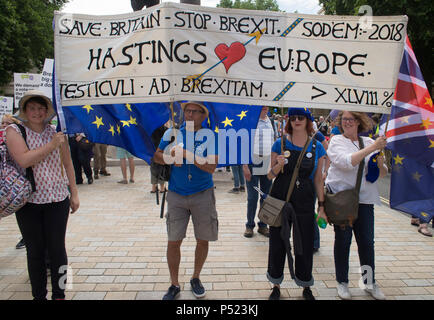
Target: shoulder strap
[29, 170]
[297, 167]
[361, 167]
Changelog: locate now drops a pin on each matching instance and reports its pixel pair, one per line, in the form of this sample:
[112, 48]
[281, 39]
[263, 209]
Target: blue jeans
[237, 172]
[253, 195]
[363, 229]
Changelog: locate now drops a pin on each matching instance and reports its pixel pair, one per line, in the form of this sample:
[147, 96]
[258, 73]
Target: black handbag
[342, 208]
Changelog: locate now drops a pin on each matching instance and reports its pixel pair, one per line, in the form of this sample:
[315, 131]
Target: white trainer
[375, 292]
[343, 291]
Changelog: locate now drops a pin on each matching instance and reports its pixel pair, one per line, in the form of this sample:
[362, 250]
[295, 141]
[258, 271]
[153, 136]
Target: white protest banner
[47, 78]
[24, 82]
[6, 105]
[185, 52]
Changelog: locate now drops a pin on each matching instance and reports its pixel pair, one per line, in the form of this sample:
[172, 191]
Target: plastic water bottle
[321, 222]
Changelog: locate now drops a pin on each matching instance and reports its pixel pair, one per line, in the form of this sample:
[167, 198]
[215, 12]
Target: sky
[105, 7]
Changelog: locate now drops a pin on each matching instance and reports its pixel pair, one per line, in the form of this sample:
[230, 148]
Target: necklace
[352, 142]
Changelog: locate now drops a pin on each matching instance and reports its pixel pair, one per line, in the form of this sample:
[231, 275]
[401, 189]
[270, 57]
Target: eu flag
[130, 126]
[410, 136]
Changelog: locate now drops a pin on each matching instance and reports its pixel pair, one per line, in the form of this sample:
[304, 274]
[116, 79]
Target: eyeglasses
[194, 112]
[350, 120]
[299, 118]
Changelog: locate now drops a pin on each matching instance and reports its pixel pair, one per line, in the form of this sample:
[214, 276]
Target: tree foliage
[420, 27]
[26, 36]
[267, 5]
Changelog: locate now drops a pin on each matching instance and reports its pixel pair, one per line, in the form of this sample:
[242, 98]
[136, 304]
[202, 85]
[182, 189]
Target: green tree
[267, 5]
[420, 27]
[26, 36]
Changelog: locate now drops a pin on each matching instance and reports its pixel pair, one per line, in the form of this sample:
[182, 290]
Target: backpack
[15, 188]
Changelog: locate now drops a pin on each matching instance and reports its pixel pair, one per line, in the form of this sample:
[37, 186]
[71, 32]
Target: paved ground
[117, 243]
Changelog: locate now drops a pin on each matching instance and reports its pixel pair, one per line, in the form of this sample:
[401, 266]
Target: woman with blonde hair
[346, 154]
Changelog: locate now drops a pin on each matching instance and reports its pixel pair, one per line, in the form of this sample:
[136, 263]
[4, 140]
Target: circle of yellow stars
[116, 128]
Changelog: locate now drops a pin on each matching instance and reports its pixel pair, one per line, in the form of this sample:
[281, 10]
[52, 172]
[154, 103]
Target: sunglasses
[298, 117]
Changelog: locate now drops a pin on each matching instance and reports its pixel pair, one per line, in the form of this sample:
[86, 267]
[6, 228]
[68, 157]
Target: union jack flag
[411, 127]
[410, 136]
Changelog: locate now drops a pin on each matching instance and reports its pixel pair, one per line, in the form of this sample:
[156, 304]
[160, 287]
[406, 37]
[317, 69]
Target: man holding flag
[191, 193]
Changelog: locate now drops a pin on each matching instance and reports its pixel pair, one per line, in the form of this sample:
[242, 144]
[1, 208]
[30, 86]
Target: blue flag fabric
[410, 136]
[130, 126]
[412, 187]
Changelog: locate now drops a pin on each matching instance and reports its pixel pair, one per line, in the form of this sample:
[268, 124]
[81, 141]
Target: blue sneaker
[172, 293]
[197, 288]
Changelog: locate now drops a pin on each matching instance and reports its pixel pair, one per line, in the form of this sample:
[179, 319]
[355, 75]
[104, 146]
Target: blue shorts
[122, 153]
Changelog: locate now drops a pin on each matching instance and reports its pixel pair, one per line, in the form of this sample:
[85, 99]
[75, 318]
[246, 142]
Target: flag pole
[281, 134]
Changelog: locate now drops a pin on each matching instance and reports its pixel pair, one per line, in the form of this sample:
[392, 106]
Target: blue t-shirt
[319, 136]
[335, 130]
[320, 151]
[189, 179]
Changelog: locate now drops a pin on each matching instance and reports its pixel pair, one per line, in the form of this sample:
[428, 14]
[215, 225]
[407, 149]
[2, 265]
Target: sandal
[123, 182]
[415, 222]
[423, 229]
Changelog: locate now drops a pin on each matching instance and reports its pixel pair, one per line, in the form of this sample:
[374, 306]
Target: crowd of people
[324, 153]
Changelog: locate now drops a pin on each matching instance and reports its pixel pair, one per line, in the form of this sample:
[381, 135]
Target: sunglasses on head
[298, 117]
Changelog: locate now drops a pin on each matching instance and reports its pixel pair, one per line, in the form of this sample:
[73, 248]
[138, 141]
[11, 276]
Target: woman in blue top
[309, 181]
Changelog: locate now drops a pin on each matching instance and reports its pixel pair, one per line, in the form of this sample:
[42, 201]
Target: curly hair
[365, 123]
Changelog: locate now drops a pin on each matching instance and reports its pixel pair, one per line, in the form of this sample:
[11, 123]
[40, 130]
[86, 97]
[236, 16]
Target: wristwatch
[320, 203]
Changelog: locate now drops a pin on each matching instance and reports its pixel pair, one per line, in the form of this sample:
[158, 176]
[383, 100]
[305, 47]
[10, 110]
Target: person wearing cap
[193, 160]
[345, 155]
[309, 181]
[43, 219]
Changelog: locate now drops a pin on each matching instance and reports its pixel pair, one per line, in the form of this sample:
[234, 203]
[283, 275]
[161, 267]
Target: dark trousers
[363, 229]
[80, 160]
[43, 227]
[303, 262]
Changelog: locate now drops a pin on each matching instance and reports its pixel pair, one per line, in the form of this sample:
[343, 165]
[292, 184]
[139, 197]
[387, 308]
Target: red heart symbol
[233, 54]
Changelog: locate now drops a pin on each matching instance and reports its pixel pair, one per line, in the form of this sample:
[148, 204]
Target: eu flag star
[112, 130]
[417, 176]
[242, 114]
[128, 106]
[88, 108]
[227, 122]
[432, 143]
[125, 123]
[132, 120]
[428, 101]
[98, 122]
[398, 159]
[118, 129]
[426, 123]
